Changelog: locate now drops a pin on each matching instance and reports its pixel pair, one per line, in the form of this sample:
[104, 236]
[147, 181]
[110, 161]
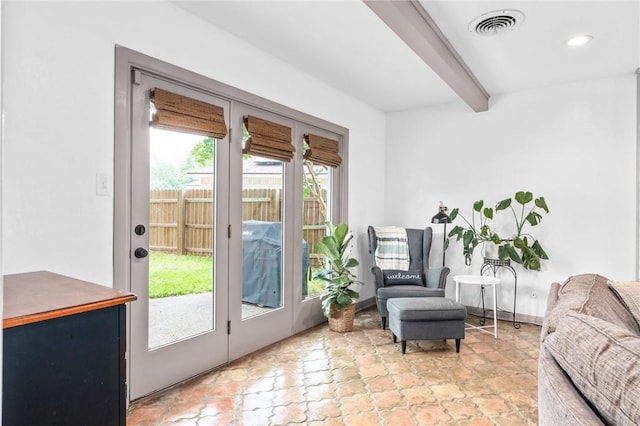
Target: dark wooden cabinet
[63, 352]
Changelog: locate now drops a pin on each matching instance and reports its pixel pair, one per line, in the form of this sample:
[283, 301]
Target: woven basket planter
[342, 321]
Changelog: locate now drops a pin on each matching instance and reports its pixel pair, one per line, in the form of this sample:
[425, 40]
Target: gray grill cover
[262, 263]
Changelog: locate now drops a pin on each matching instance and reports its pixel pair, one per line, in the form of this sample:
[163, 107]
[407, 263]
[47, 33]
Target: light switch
[104, 186]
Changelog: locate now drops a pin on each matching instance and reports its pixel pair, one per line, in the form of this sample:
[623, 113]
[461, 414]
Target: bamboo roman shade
[322, 150]
[268, 139]
[180, 113]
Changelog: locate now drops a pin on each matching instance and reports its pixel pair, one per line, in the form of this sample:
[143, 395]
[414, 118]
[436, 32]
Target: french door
[217, 244]
[260, 299]
[212, 247]
[178, 242]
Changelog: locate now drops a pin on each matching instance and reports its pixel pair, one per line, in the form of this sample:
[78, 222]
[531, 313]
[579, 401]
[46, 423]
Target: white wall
[1, 248]
[59, 80]
[573, 144]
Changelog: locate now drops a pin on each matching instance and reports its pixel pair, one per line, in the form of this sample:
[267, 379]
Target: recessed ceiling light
[579, 40]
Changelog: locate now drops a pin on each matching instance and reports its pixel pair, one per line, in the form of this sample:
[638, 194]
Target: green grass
[315, 287]
[173, 275]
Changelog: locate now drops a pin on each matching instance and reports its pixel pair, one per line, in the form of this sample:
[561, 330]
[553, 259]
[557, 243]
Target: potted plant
[338, 298]
[521, 247]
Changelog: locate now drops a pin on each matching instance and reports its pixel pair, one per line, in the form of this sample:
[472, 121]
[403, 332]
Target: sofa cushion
[629, 293]
[559, 402]
[603, 361]
[423, 309]
[589, 294]
[399, 277]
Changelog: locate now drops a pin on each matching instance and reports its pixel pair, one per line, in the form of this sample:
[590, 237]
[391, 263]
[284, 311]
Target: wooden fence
[181, 221]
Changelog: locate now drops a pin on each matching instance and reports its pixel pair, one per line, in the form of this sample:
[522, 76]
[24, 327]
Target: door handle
[140, 253]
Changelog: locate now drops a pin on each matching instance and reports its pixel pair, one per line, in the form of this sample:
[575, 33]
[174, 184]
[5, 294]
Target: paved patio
[178, 317]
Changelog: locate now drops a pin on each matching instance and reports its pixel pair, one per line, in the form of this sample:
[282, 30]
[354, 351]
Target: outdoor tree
[202, 152]
[312, 186]
[166, 175]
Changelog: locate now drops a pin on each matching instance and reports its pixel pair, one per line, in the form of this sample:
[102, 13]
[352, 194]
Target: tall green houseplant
[337, 273]
[521, 247]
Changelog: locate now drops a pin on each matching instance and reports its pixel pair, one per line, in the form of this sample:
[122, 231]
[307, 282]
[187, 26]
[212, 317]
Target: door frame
[126, 62]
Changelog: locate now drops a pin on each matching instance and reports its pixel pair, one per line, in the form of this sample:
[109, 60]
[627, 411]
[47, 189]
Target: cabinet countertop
[38, 296]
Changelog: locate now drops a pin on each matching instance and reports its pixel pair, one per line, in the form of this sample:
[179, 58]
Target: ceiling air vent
[496, 22]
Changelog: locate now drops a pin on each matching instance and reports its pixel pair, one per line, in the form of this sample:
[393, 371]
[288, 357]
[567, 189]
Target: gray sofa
[589, 365]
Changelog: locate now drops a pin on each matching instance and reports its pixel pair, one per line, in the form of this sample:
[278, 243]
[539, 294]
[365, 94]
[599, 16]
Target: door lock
[139, 230]
[140, 253]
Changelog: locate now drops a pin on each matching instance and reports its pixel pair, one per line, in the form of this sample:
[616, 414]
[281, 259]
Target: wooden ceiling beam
[411, 22]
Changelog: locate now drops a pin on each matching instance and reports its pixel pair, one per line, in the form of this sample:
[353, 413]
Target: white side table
[481, 281]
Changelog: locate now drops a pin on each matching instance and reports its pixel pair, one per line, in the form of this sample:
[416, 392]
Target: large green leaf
[456, 232]
[327, 247]
[343, 300]
[512, 253]
[495, 238]
[539, 250]
[541, 203]
[488, 212]
[519, 243]
[523, 197]
[534, 218]
[340, 233]
[503, 204]
[477, 206]
[467, 237]
[534, 263]
[453, 214]
[351, 263]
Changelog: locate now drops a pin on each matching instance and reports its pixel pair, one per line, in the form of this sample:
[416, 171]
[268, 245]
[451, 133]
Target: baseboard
[473, 310]
[361, 305]
[506, 316]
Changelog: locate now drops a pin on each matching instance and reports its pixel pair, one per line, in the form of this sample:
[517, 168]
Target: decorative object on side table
[442, 217]
[338, 299]
[520, 247]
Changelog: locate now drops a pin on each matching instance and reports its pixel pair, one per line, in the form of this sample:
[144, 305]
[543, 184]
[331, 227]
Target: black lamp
[442, 217]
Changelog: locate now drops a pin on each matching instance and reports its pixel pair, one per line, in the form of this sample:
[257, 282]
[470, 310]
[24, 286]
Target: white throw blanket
[392, 251]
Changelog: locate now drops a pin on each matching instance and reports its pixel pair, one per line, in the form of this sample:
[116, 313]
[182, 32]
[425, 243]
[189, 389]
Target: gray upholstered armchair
[431, 282]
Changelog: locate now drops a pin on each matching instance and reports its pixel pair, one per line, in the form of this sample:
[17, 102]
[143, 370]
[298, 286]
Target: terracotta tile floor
[361, 378]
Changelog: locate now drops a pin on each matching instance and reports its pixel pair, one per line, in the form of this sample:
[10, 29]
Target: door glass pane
[315, 212]
[181, 226]
[262, 189]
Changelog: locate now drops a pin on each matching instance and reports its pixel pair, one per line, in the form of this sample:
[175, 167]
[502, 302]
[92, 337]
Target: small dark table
[63, 351]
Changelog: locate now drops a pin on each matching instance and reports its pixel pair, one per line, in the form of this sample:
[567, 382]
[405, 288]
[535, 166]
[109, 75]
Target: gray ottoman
[426, 318]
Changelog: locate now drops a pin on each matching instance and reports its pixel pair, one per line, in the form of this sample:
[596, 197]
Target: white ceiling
[346, 45]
